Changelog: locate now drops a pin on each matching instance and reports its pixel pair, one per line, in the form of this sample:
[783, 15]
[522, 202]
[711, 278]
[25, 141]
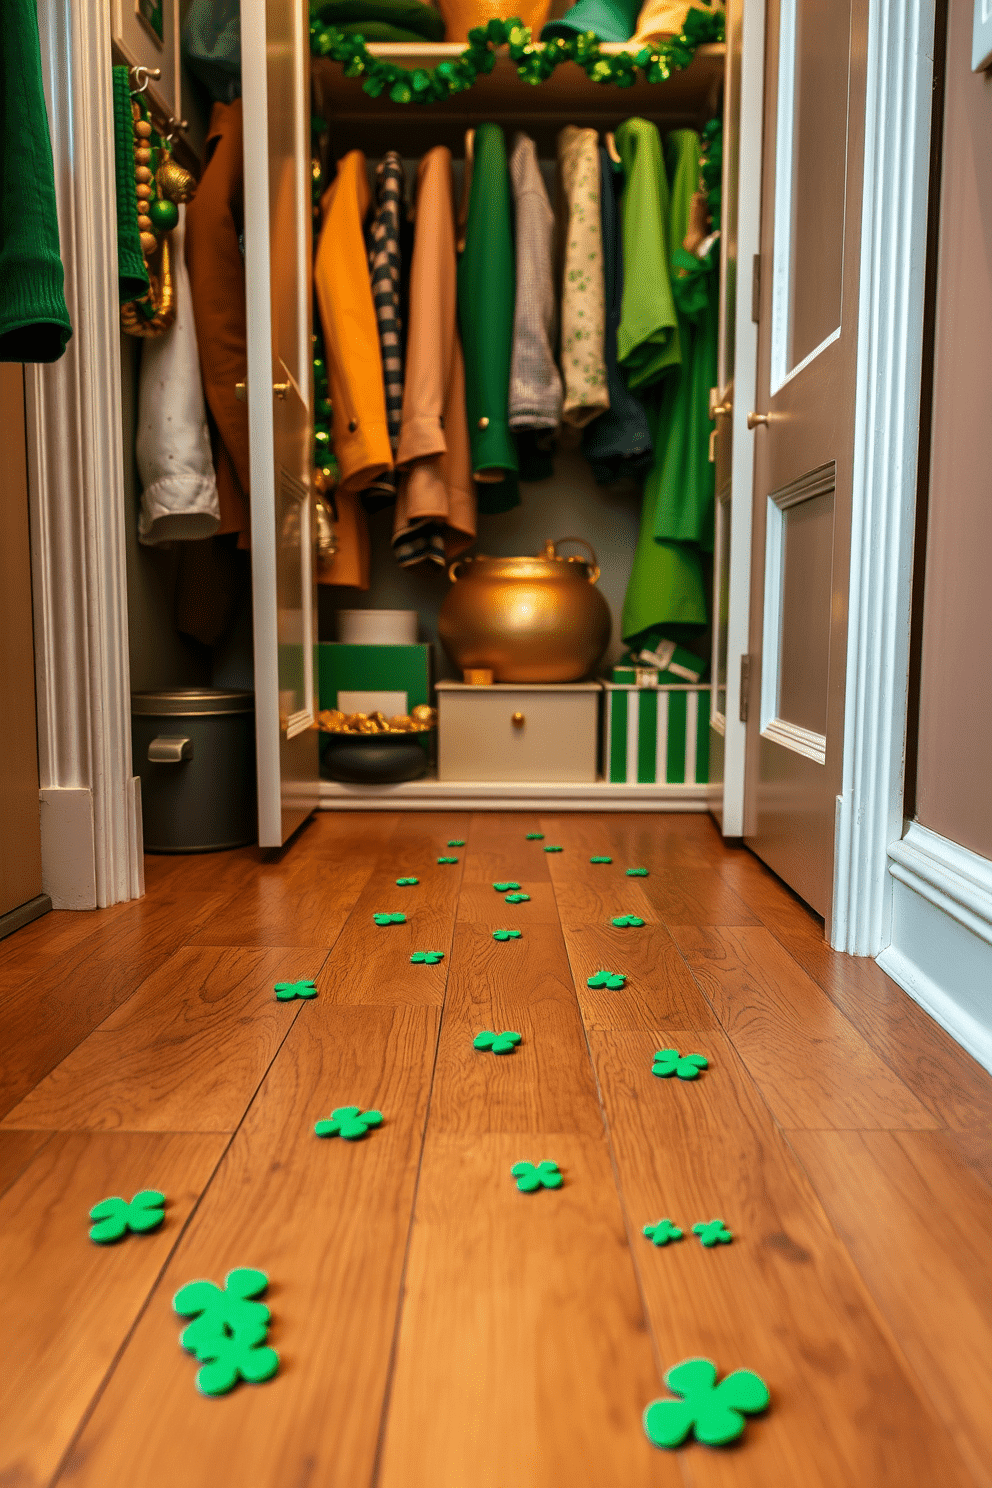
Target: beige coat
[434, 458]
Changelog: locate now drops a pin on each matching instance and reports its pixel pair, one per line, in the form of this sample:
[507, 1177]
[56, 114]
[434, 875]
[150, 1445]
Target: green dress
[486, 300]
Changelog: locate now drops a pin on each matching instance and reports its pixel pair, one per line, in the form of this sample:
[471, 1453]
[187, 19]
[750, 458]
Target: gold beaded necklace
[160, 186]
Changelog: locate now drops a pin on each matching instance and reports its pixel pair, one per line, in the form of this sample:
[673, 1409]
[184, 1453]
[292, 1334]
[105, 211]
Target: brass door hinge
[745, 687]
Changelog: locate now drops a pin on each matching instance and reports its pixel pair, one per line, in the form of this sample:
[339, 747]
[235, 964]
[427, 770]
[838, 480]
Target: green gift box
[369, 679]
[657, 735]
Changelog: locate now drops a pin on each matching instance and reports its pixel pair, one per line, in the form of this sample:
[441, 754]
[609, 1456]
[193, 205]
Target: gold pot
[526, 619]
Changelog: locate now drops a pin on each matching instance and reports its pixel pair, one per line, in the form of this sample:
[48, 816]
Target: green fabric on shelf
[352, 17]
[132, 271]
[648, 339]
[608, 20]
[34, 321]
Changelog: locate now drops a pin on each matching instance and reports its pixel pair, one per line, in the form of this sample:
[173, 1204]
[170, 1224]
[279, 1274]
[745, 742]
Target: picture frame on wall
[145, 33]
[151, 14]
[981, 36]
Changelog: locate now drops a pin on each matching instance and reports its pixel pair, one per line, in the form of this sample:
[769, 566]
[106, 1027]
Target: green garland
[534, 61]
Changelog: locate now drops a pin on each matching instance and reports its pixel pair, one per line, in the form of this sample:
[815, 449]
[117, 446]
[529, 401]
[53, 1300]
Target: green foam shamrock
[611, 979]
[601, 860]
[227, 1330]
[405, 883]
[714, 1233]
[500, 1043]
[429, 958]
[662, 1232]
[637, 873]
[456, 841]
[712, 1411]
[504, 888]
[671, 1062]
[390, 919]
[114, 1217]
[554, 849]
[530, 1176]
[625, 922]
[286, 991]
[447, 860]
[349, 1122]
[535, 837]
[506, 935]
[518, 898]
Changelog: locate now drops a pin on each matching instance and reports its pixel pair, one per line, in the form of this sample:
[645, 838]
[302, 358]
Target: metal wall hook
[142, 76]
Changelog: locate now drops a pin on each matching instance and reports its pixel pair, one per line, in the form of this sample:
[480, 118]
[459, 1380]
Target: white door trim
[91, 805]
[890, 346]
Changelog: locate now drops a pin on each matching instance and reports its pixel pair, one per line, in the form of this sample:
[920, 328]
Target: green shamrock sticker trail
[714, 1412]
[713, 1233]
[601, 860]
[286, 991]
[627, 922]
[429, 958]
[115, 1217]
[518, 898]
[554, 849]
[456, 841]
[228, 1330]
[535, 837]
[447, 860]
[499, 1043]
[532, 1176]
[506, 935]
[389, 919]
[611, 979]
[405, 883]
[670, 1062]
[349, 1122]
[663, 1232]
[637, 873]
[505, 885]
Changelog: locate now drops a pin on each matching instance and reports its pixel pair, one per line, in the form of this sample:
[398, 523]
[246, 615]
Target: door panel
[275, 76]
[805, 395]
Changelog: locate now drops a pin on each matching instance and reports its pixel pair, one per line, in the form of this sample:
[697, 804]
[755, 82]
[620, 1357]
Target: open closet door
[275, 63]
[804, 435]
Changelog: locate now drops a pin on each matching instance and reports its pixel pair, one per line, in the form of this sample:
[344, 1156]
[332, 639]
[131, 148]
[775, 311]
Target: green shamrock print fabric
[428, 958]
[115, 1217]
[286, 991]
[499, 1043]
[714, 1232]
[532, 1176]
[713, 1412]
[349, 1122]
[611, 979]
[663, 1232]
[669, 1062]
[228, 1330]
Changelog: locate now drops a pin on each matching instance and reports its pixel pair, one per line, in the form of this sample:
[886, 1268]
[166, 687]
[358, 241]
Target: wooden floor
[438, 1329]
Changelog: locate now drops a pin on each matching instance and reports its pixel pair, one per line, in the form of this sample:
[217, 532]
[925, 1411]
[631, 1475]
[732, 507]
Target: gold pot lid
[548, 564]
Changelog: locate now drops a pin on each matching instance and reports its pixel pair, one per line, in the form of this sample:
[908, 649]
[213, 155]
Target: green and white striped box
[657, 735]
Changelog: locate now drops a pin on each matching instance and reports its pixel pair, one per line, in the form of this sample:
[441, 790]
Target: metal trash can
[194, 749]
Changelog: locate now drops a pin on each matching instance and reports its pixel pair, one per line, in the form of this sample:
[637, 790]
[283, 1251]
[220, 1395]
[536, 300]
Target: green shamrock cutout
[554, 849]
[349, 1122]
[712, 1411]
[447, 860]
[504, 888]
[518, 898]
[671, 1062]
[637, 873]
[530, 1176]
[662, 1232]
[611, 979]
[535, 837]
[601, 860]
[227, 1330]
[456, 841]
[114, 1217]
[506, 935]
[390, 919]
[500, 1043]
[625, 922]
[714, 1233]
[286, 991]
[405, 883]
[429, 958]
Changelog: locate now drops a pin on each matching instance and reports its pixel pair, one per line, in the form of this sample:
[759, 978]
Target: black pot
[373, 759]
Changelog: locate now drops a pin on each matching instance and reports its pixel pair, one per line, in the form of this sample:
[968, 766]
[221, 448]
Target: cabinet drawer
[524, 733]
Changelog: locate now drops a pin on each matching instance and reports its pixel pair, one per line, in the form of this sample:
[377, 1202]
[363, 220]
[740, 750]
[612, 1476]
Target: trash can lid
[191, 702]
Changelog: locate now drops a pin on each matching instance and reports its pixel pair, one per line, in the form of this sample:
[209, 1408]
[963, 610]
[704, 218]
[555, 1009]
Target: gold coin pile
[419, 720]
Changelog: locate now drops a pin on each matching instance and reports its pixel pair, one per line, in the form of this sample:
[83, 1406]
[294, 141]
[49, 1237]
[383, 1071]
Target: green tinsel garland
[534, 61]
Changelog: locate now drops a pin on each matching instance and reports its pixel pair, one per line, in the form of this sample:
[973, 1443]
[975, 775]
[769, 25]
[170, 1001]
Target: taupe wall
[954, 770]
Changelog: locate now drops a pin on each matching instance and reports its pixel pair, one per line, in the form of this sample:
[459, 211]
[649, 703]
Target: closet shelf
[689, 97]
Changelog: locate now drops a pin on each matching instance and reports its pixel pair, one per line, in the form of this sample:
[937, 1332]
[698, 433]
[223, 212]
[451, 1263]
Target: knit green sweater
[34, 321]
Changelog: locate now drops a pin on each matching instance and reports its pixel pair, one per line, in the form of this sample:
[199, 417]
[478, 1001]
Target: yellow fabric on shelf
[661, 18]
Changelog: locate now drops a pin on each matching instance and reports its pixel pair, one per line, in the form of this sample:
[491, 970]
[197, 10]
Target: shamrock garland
[713, 1411]
[114, 1217]
[227, 1330]
[535, 61]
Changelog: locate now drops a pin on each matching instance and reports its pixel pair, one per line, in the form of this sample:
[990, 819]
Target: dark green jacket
[34, 321]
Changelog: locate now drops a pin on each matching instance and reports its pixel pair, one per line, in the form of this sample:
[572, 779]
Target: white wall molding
[504, 795]
[77, 494]
[890, 341]
[941, 948]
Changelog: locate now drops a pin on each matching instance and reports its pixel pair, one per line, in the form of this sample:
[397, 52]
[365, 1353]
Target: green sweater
[34, 321]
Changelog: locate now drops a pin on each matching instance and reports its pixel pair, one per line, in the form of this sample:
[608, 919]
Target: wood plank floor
[436, 1328]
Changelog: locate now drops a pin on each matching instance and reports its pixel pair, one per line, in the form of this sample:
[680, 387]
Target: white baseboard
[438, 795]
[68, 847]
[941, 948]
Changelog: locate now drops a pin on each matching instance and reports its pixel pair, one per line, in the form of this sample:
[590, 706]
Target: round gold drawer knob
[518, 720]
